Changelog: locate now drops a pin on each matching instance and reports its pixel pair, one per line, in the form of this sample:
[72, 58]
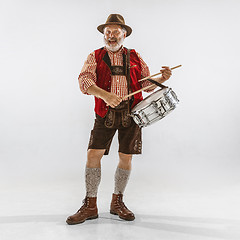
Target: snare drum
[154, 107]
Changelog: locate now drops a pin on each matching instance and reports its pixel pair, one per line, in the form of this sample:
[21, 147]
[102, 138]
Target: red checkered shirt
[88, 76]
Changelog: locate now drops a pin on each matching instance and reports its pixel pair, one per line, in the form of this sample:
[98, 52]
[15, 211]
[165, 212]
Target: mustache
[112, 39]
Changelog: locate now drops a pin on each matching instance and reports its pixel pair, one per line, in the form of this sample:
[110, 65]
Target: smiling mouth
[112, 41]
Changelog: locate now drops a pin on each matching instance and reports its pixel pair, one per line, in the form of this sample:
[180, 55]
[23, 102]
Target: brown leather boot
[118, 208]
[87, 211]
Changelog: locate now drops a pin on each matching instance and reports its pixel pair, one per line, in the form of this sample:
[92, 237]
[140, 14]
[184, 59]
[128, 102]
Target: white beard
[116, 47]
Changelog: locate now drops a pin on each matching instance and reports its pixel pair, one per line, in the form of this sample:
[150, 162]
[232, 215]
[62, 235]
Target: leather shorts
[117, 119]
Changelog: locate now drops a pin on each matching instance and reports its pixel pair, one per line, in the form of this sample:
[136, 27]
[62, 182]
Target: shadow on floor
[206, 227]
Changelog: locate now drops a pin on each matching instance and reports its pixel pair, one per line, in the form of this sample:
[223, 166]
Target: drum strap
[128, 76]
[156, 83]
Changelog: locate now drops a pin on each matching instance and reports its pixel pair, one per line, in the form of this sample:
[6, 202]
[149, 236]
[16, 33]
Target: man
[110, 73]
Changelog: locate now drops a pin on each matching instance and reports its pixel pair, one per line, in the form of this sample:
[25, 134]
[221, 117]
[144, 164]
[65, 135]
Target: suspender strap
[128, 77]
[156, 83]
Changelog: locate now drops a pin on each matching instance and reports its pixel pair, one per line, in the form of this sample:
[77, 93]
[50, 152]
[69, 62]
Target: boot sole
[90, 218]
[114, 213]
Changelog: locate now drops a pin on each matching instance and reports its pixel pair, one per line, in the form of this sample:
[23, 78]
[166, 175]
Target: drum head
[152, 97]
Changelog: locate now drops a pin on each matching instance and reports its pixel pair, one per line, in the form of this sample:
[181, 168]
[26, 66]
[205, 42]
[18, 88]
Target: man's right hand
[111, 99]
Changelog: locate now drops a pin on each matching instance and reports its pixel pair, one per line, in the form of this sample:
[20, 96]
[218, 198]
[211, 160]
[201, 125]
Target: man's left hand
[166, 73]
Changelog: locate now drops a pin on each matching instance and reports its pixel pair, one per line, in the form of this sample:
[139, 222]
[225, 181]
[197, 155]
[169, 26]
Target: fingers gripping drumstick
[157, 74]
[140, 90]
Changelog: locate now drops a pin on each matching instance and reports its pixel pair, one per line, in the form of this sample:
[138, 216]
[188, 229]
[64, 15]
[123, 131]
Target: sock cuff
[94, 171]
[123, 171]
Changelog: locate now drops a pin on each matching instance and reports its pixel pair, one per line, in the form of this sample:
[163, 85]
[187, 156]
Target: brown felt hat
[115, 19]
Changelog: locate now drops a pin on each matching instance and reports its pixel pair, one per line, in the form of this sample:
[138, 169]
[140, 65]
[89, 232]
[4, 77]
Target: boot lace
[85, 202]
[120, 202]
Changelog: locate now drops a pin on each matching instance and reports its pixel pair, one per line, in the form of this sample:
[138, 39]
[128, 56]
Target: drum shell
[155, 107]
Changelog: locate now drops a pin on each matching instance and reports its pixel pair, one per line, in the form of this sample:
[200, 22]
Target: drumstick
[140, 90]
[145, 88]
[157, 74]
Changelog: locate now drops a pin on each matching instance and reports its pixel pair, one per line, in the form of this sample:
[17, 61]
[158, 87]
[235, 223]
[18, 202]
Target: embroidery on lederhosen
[110, 119]
[137, 146]
[117, 70]
[126, 118]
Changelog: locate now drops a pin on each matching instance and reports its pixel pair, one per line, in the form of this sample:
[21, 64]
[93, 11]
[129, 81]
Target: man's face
[113, 37]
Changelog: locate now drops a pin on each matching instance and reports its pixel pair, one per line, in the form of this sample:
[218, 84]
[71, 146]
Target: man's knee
[125, 157]
[94, 157]
[95, 153]
[125, 161]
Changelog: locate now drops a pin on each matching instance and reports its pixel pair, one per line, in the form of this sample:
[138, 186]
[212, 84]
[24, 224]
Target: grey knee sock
[121, 180]
[92, 180]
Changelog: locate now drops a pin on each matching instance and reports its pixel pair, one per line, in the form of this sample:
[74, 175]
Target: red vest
[104, 78]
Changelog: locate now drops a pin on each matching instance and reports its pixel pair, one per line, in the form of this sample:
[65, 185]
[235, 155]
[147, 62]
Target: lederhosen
[129, 134]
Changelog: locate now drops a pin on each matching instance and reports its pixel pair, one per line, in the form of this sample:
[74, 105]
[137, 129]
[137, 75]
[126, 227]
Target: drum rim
[159, 90]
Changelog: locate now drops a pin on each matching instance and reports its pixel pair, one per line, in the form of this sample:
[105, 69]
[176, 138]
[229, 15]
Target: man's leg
[93, 171]
[122, 172]
[121, 179]
[92, 179]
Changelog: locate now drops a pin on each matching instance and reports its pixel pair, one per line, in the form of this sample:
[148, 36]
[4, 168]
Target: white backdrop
[45, 120]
